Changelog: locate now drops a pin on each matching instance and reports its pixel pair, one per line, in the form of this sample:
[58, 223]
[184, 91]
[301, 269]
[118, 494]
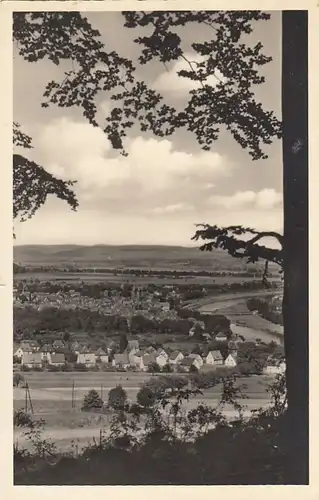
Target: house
[198, 358]
[121, 360]
[231, 360]
[161, 357]
[32, 359]
[46, 352]
[17, 351]
[274, 367]
[214, 358]
[175, 357]
[221, 337]
[197, 328]
[57, 359]
[102, 356]
[29, 346]
[86, 357]
[188, 362]
[149, 359]
[58, 344]
[136, 359]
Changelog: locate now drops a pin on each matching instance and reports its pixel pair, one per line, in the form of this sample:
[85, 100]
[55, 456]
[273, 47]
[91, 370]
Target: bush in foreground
[210, 450]
[18, 379]
[92, 401]
[117, 398]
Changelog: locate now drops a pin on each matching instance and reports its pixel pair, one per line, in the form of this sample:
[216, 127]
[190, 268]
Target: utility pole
[30, 401]
[73, 395]
[26, 398]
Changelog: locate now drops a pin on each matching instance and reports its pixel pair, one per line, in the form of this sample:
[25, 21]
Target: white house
[175, 357]
[198, 358]
[29, 346]
[32, 359]
[57, 359]
[102, 356]
[18, 352]
[136, 359]
[46, 353]
[186, 364]
[161, 358]
[149, 359]
[231, 360]
[214, 358]
[275, 367]
[86, 358]
[121, 360]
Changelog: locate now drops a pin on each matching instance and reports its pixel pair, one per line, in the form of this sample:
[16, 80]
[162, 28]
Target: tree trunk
[295, 304]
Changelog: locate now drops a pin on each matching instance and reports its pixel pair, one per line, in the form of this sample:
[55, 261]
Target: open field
[52, 392]
[51, 395]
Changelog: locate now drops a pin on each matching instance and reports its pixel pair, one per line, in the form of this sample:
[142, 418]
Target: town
[75, 356]
[131, 328]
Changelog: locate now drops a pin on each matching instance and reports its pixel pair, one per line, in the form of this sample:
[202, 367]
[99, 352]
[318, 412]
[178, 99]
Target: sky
[163, 187]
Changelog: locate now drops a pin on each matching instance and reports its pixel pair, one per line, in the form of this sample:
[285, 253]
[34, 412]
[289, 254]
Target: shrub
[117, 397]
[53, 368]
[167, 368]
[25, 368]
[154, 368]
[80, 367]
[92, 401]
[22, 419]
[146, 397]
[17, 379]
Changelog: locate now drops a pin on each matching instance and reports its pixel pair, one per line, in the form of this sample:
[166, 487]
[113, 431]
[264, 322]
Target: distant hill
[110, 256]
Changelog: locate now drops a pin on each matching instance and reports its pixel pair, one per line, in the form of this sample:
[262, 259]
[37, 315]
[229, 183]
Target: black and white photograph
[160, 246]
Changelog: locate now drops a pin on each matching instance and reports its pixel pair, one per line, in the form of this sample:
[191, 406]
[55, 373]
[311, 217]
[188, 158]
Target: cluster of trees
[117, 399]
[37, 322]
[187, 291]
[266, 309]
[177, 273]
[251, 358]
[214, 323]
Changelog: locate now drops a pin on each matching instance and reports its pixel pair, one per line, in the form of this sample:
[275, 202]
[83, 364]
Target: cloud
[154, 174]
[264, 199]
[170, 81]
[171, 209]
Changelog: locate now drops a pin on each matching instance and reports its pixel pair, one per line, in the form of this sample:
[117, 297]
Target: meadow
[51, 393]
